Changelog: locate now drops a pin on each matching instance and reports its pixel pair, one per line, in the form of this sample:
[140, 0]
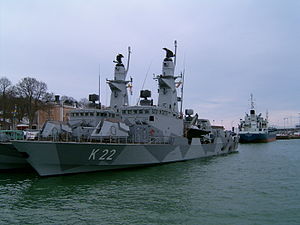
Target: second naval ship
[124, 136]
[10, 158]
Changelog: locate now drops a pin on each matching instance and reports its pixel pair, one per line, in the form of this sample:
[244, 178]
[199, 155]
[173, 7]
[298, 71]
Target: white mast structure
[167, 97]
[118, 86]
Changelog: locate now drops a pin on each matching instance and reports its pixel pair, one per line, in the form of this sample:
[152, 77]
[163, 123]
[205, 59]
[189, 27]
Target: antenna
[182, 74]
[146, 74]
[181, 105]
[99, 88]
[128, 59]
[145, 80]
[252, 101]
[106, 95]
[175, 44]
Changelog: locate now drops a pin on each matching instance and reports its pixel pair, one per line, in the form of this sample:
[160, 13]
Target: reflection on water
[260, 182]
[152, 189]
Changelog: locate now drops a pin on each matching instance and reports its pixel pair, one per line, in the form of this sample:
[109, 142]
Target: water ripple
[259, 185]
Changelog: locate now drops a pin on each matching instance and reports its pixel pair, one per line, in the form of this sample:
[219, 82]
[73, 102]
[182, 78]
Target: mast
[252, 101]
[167, 96]
[118, 86]
[175, 55]
[181, 105]
[128, 59]
[182, 86]
[99, 88]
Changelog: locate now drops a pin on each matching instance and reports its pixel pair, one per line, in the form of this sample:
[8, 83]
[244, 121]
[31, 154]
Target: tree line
[24, 99]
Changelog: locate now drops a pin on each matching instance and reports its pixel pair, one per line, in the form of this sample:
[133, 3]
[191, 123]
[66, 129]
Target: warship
[124, 136]
[10, 158]
[254, 128]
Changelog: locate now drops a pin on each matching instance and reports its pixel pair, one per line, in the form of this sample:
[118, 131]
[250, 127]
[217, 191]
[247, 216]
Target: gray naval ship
[10, 158]
[124, 136]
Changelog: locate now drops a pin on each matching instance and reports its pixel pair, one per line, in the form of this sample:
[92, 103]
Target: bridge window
[103, 114]
[154, 111]
[151, 118]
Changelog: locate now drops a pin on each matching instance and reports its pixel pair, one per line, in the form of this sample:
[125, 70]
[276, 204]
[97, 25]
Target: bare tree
[5, 85]
[34, 93]
[68, 100]
[84, 103]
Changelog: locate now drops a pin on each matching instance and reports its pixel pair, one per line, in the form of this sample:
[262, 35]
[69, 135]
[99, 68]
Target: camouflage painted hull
[10, 158]
[56, 158]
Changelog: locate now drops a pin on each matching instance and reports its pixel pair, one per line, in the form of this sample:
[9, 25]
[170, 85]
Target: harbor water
[258, 185]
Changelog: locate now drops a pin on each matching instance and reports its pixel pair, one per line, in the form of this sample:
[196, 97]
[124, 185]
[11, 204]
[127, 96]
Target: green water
[258, 185]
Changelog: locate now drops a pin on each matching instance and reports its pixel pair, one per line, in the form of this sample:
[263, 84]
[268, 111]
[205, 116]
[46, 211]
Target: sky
[227, 48]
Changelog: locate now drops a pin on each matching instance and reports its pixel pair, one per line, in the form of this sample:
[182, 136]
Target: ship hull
[10, 158]
[57, 158]
[257, 137]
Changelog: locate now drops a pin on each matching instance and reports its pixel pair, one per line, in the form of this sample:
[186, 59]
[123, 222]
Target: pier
[288, 133]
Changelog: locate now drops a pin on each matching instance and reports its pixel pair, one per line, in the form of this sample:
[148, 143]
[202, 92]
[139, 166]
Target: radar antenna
[169, 53]
[119, 59]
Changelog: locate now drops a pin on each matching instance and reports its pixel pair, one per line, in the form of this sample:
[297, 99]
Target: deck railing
[108, 140]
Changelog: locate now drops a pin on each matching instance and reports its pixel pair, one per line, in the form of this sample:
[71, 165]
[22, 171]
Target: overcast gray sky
[228, 48]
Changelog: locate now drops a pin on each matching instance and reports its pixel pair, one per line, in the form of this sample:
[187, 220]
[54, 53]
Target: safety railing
[108, 140]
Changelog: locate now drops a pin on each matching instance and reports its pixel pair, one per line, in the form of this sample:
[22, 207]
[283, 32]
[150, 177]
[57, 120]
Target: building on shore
[58, 112]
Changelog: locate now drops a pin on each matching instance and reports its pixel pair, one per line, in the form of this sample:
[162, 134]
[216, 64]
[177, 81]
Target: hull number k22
[102, 155]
